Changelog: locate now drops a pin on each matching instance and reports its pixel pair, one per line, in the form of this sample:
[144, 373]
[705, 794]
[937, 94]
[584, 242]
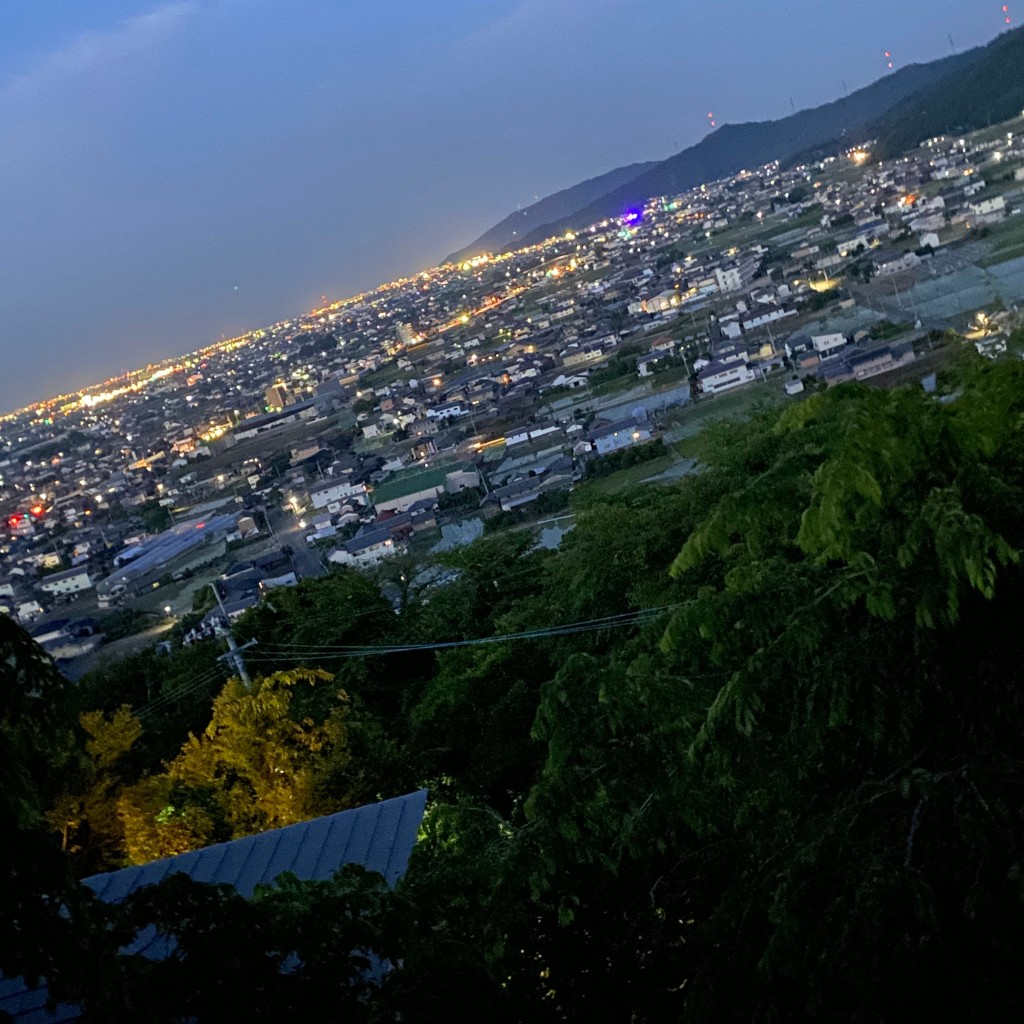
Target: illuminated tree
[255, 767]
[86, 814]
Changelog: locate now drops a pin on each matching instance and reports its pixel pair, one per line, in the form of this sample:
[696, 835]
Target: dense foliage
[775, 774]
[635, 455]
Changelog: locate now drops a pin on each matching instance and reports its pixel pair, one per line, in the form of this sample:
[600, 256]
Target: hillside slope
[735, 146]
[516, 226]
[988, 91]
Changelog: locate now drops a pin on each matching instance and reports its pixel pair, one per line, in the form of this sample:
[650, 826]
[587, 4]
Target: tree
[291, 950]
[47, 916]
[754, 753]
[256, 766]
[181, 686]
[801, 802]
[154, 516]
[85, 814]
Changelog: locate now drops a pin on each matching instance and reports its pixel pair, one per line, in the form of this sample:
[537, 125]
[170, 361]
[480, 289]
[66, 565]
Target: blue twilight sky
[174, 172]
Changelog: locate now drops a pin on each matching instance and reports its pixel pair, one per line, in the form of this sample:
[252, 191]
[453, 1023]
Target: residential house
[379, 837]
[889, 263]
[861, 363]
[988, 211]
[66, 639]
[71, 581]
[554, 475]
[366, 548]
[332, 491]
[450, 410]
[611, 437]
[828, 345]
[722, 375]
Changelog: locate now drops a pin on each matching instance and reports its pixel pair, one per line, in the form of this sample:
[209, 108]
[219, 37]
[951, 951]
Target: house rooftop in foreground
[378, 836]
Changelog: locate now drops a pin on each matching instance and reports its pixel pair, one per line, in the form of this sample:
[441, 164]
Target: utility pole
[234, 654]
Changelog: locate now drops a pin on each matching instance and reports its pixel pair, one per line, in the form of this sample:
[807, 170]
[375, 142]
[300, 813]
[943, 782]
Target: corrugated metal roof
[28, 1006]
[171, 543]
[379, 836]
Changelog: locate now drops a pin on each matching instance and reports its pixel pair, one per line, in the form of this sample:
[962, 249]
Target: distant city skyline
[173, 173]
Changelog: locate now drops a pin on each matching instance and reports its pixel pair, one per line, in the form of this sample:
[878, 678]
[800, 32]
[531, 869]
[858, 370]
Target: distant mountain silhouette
[957, 92]
[516, 226]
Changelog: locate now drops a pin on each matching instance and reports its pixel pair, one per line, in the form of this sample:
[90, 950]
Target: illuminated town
[378, 425]
[614, 621]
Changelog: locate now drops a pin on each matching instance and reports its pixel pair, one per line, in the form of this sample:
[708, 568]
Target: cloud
[96, 49]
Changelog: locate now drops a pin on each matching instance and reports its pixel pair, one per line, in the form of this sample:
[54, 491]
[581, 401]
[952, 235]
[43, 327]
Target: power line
[365, 650]
[566, 629]
[611, 621]
[234, 651]
[160, 703]
[163, 703]
[283, 653]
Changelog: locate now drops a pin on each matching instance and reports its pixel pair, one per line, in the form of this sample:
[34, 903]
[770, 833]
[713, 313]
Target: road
[116, 650]
[306, 559]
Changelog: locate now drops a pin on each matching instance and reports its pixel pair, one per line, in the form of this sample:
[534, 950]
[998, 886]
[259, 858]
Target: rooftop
[380, 837]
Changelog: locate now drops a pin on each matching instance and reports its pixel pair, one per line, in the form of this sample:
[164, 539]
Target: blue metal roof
[176, 540]
[378, 836]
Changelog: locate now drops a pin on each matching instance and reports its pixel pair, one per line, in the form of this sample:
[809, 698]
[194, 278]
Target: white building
[365, 550]
[624, 434]
[450, 410]
[660, 303]
[723, 375]
[731, 329]
[767, 317]
[993, 206]
[895, 263]
[29, 610]
[571, 381]
[828, 344]
[337, 491]
[71, 581]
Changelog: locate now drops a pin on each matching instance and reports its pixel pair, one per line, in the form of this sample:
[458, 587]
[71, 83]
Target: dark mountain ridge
[988, 91]
[953, 93]
[516, 226]
[735, 146]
